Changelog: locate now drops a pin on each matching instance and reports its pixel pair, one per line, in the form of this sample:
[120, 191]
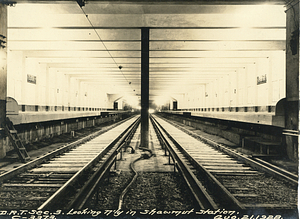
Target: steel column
[292, 78]
[3, 75]
[145, 87]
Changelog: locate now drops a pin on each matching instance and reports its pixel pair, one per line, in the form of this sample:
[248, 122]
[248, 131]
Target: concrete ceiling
[191, 42]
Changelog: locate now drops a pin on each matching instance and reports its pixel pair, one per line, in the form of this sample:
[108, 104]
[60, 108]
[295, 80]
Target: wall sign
[12, 106]
[261, 79]
[31, 79]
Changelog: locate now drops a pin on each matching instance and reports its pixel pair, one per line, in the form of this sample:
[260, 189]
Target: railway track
[65, 177]
[203, 199]
[217, 177]
[231, 180]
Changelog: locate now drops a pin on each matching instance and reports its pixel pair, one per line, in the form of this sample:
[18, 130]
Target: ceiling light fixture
[81, 3]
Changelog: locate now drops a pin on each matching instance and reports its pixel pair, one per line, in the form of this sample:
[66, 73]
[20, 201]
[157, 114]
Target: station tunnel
[228, 69]
[228, 60]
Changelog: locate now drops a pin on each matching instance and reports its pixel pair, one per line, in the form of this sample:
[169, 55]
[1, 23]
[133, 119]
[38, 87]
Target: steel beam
[3, 75]
[145, 88]
[292, 79]
[207, 2]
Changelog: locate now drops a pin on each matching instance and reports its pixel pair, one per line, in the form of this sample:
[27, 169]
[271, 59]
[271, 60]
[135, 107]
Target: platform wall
[34, 83]
[233, 131]
[36, 131]
[260, 82]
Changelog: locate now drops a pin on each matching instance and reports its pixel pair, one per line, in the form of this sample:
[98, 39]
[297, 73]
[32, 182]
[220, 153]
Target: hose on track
[133, 179]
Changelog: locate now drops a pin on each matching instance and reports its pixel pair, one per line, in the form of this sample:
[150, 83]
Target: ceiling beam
[193, 2]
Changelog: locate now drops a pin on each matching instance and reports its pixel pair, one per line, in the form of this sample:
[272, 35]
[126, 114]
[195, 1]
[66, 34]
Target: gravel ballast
[164, 191]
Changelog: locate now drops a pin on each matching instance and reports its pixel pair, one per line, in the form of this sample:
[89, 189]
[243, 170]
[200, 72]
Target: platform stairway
[16, 141]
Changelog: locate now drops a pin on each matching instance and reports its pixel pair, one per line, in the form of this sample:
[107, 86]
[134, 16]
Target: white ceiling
[190, 43]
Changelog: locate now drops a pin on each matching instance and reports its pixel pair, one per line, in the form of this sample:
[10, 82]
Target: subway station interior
[224, 71]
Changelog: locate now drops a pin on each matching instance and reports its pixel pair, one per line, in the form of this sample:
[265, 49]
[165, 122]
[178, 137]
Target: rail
[256, 163]
[86, 192]
[61, 150]
[198, 190]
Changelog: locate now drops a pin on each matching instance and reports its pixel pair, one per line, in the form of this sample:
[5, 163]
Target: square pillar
[292, 77]
[3, 75]
[145, 88]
